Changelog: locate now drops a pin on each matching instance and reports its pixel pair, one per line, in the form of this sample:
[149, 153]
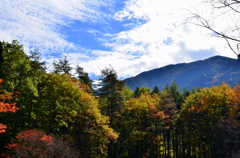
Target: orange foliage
[6, 107]
[34, 143]
[2, 128]
[35, 135]
[31, 141]
[160, 114]
[79, 84]
[236, 91]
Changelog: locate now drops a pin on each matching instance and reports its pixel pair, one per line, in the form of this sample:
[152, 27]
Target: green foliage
[169, 101]
[214, 103]
[62, 66]
[83, 77]
[58, 98]
[202, 110]
[117, 122]
[111, 91]
[14, 66]
[35, 61]
[20, 75]
[156, 90]
[139, 91]
[127, 94]
[66, 108]
[141, 125]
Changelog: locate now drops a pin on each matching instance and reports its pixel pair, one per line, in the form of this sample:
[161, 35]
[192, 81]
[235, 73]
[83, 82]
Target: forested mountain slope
[58, 114]
[203, 73]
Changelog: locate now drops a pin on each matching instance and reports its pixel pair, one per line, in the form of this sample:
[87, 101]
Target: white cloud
[146, 42]
[142, 48]
[37, 22]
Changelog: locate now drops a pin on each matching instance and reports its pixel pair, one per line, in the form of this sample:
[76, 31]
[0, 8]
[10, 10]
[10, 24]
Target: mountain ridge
[201, 73]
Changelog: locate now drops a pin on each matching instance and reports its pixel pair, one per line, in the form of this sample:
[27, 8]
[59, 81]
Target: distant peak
[220, 57]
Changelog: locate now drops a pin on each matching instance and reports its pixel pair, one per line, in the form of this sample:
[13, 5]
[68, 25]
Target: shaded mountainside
[203, 73]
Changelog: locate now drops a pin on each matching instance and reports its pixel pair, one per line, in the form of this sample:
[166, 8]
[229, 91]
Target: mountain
[203, 73]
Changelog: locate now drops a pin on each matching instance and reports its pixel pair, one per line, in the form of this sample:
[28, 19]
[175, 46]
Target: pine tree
[111, 89]
[35, 58]
[137, 92]
[62, 66]
[83, 77]
[156, 90]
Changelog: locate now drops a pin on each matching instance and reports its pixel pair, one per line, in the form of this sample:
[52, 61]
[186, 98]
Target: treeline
[59, 114]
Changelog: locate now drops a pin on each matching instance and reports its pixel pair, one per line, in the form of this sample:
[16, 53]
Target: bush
[36, 144]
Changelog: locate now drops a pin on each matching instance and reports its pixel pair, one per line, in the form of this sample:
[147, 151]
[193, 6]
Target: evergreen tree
[35, 58]
[170, 109]
[137, 92]
[62, 66]
[156, 90]
[140, 91]
[110, 90]
[83, 77]
[176, 95]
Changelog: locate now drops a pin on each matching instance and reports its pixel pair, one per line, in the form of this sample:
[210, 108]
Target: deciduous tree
[200, 113]
[5, 106]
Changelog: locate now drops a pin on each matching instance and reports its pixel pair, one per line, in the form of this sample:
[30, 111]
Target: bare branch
[225, 4]
[227, 8]
[231, 47]
[204, 23]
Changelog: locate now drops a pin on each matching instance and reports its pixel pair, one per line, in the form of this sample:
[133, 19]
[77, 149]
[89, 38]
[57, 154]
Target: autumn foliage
[6, 107]
[112, 122]
[34, 143]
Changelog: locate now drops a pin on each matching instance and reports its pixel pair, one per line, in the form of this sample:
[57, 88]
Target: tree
[66, 108]
[20, 75]
[83, 77]
[62, 66]
[139, 91]
[226, 134]
[226, 10]
[13, 62]
[35, 58]
[110, 90]
[201, 112]
[156, 90]
[142, 122]
[127, 93]
[6, 107]
[168, 101]
[226, 137]
[60, 102]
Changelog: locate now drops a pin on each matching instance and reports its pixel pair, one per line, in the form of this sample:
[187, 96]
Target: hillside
[202, 73]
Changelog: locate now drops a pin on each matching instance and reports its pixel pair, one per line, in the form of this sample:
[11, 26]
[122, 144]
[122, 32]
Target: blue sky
[131, 35]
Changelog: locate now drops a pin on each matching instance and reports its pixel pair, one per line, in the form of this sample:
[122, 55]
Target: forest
[59, 114]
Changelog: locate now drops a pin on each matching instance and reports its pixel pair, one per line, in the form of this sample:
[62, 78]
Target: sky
[131, 35]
